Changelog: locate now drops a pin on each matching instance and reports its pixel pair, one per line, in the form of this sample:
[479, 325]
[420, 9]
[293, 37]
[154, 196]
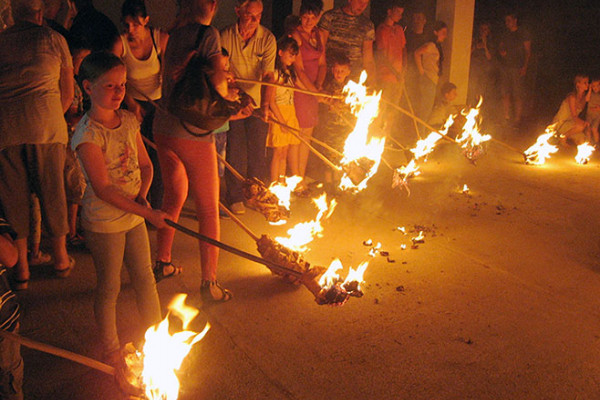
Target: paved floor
[500, 302]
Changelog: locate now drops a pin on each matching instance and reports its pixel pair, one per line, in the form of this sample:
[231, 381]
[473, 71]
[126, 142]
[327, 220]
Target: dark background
[565, 40]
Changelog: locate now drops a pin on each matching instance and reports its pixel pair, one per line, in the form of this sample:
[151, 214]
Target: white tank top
[143, 75]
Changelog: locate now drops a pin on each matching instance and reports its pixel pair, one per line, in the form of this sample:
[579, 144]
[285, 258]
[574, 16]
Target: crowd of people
[89, 151]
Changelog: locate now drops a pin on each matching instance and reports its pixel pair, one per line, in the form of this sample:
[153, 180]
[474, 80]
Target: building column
[458, 15]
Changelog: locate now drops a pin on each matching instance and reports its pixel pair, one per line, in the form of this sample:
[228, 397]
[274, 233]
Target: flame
[283, 191]
[426, 146]
[465, 188]
[163, 353]
[356, 275]
[418, 238]
[541, 150]
[332, 277]
[584, 152]
[304, 232]
[470, 137]
[357, 146]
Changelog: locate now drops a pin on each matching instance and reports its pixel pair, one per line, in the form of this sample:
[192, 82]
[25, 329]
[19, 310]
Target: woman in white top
[140, 48]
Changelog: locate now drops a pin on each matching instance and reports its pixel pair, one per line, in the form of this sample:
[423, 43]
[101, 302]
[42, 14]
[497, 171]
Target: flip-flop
[65, 272]
[159, 270]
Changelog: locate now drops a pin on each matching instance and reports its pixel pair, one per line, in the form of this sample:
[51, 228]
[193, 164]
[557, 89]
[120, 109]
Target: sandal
[207, 293]
[76, 242]
[39, 259]
[65, 272]
[159, 270]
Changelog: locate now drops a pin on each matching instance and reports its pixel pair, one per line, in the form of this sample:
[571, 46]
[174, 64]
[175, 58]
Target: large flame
[584, 152]
[332, 277]
[426, 146]
[283, 191]
[470, 137]
[358, 147]
[304, 232]
[541, 150]
[163, 352]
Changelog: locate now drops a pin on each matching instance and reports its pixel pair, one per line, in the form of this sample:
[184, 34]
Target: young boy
[593, 111]
[11, 363]
[335, 119]
[444, 107]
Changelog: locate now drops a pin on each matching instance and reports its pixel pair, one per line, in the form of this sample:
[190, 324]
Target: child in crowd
[118, 173]
[284, 143]
[444, 107]
[569, 126]
[593, 111]
[74, 180]
[11, 362]
[335, 119]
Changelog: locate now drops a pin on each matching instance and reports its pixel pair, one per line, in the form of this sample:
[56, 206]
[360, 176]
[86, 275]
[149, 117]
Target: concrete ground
[500, 302]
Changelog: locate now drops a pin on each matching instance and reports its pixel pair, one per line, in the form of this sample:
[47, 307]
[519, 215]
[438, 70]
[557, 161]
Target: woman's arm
[299, 67]
[419, 58]
[92, 160]
[67, 87]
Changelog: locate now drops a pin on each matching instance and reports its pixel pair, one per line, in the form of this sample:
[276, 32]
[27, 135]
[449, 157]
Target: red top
[390, 42]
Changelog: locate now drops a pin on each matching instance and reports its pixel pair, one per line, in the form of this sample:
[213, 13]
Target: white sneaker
[238, 208]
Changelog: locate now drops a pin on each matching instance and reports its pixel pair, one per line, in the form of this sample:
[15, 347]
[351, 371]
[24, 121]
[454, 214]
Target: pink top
[311, 50]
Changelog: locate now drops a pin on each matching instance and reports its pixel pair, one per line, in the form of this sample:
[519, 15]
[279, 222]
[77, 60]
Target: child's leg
[107, 252]
[139, 265]
[277, 161]
[303, 151]
[292, 159]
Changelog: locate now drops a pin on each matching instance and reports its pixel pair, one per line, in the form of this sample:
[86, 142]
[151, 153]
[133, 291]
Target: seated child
[335, 119]
[569, 126]
[444, 107]
[593, 111]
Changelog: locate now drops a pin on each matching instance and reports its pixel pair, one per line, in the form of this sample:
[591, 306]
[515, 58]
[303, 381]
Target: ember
[418, 239]
[471, 139]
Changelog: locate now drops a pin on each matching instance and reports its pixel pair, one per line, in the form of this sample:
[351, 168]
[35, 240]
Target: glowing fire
[541, 150]
[361, 154]
[163, 352]
[331, 277]
[426, 146]
[584, 152]
[283, 191]
[470, 137]
[304, 232]
[465, 188]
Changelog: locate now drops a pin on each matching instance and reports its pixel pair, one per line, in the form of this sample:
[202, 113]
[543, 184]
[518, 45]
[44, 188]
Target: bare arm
[67, 87]
[299, 67]
[527, 46]
[92, 160]
[369, 60]
[418, 54]
[267, 95]
[8, 251]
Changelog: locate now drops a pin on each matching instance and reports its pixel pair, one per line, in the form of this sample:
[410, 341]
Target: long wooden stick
[309, 92]
[46, 348]
[230, 168]
[239, 222]
[296, 133]
[419, 120]
[231, 249]
[410, 107]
